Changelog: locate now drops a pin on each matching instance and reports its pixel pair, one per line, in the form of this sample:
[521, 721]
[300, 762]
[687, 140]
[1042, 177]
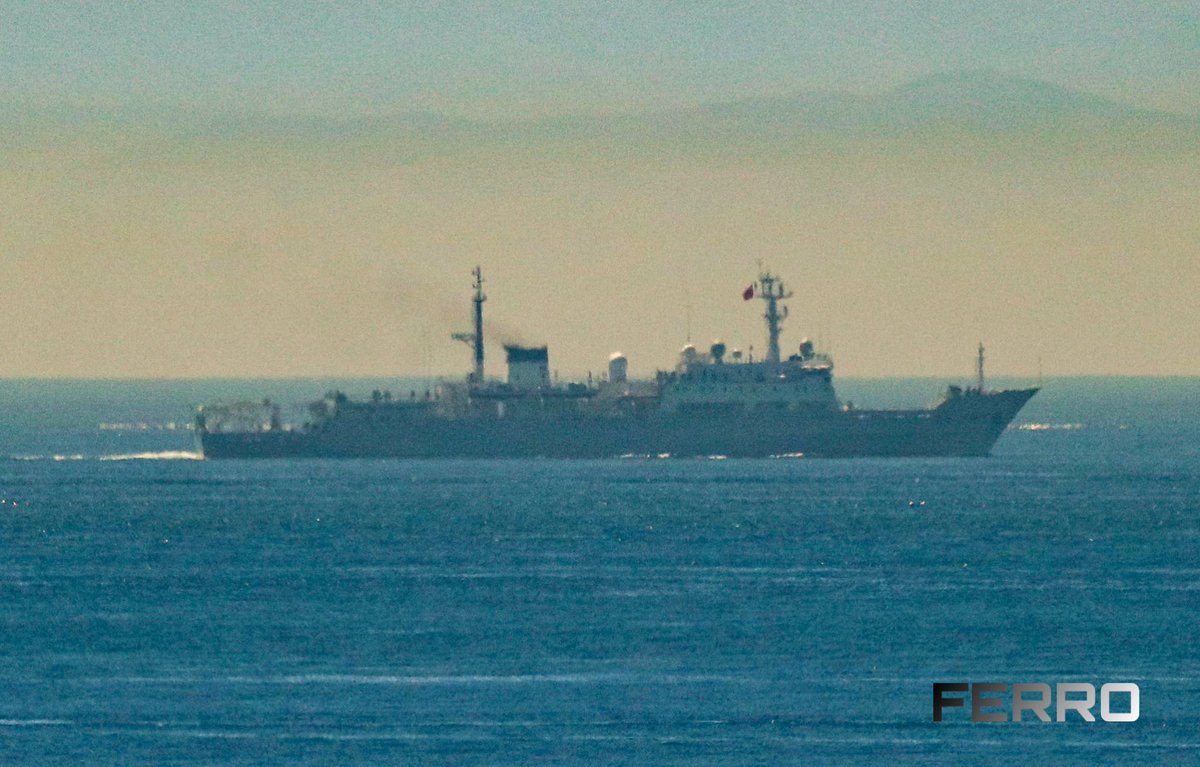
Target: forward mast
[475, 339]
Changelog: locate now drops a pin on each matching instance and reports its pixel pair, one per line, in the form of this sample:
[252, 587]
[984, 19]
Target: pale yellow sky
[137, 252]
[265, 188]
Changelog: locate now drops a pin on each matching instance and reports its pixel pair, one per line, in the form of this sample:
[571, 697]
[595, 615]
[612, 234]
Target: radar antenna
[475, 340]
[771, 290]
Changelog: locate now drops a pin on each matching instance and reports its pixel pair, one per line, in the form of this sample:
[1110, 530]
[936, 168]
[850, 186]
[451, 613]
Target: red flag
[748, 293]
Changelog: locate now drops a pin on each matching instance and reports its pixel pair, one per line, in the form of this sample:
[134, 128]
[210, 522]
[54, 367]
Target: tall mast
[771, 290]
[475, 339]
[478, 301]
[979, 368]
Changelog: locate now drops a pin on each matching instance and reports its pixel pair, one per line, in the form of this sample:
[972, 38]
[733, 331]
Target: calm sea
[157, 609]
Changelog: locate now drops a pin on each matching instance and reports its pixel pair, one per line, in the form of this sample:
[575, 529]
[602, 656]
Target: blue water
[162, 610]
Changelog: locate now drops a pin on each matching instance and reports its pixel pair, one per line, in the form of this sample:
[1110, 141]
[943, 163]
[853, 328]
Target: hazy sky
[545, 57]
[186, 193]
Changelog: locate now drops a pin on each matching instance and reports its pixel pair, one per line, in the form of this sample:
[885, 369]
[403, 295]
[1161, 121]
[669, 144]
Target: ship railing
[252, 416]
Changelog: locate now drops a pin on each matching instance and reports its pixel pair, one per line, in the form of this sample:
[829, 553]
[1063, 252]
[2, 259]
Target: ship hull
[964, 426]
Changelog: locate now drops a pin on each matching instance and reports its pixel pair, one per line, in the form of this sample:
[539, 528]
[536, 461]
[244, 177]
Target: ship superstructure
[801, 381]
[713, 402]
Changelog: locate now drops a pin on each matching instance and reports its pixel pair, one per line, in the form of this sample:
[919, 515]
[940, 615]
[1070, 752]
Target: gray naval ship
[713, 403]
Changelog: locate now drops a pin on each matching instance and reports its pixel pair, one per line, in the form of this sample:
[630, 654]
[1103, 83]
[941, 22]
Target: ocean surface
[157, 609]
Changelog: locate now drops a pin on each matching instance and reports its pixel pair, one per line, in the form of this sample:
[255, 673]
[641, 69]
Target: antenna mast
[771, 290]
[979, 368]
[476, 339]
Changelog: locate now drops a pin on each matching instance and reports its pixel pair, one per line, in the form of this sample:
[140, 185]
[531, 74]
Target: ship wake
[160, 455]
[163, 455]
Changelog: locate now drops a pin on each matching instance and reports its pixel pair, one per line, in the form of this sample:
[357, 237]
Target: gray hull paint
[964, 426]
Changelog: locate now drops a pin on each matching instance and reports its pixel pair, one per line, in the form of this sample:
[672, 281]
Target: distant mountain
[982, 104]
[975, 102]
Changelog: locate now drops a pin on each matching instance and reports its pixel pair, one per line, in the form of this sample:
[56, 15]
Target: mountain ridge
[980, 102]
